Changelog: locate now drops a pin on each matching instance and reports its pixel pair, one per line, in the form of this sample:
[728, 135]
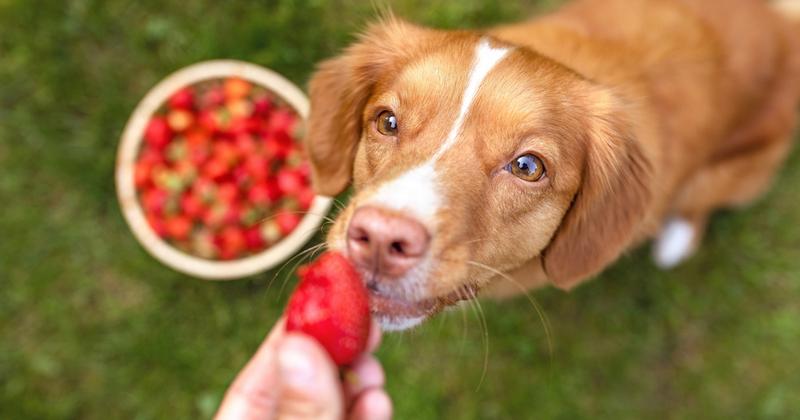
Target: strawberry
[154, 200]
[215, 168]
[282, 120]
[290, 182]
[254, 240]
[259, 194]
[239, 108]
[179, 120]
[331, 304]
[227, 192]
[157, 133]
[208, 121]
[192, 206]
[236, 88]
[231, 242]
[257, 167]
[142, 174]
[178, 227]
[246, 144]
[182, 99]
[287, 221]
[213, 97]
[262, 107]
[305, 197]
[157, 224]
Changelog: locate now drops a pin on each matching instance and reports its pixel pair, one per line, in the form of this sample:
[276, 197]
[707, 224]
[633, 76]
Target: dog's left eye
[527, 167]
[387, 123]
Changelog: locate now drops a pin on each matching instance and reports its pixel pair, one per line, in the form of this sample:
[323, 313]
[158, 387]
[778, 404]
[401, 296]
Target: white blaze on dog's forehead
[486, 58]
[417, 191]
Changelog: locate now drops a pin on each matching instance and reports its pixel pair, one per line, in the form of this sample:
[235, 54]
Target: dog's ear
[339, 91]
[610, 204]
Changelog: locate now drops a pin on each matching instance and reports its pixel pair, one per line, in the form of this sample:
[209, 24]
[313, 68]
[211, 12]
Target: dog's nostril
[360, 235]
[397, 248]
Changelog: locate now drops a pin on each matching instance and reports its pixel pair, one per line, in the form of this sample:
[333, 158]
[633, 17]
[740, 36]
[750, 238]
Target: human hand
[292, 376]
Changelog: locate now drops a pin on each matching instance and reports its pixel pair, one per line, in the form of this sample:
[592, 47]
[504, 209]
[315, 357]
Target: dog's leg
[678, 240]
[734, 182]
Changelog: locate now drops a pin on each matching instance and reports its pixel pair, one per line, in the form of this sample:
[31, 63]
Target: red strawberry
[225, 151]
[236, 88]
[274, 148]
[227, 192]
[331, 304]
[254, 240]
[234, 215]
[215, 168]
[213, 97]
[246, 144]
[287, 221]
[151, 155]
[290, 182]
[192, 206]
[282, 120]
[142, 174]
[157, 224]
[259, 194]
[182, 99]
[208, 121]
[305, 197]
[178, 227]
[262, 107]
[154, 200]
[241, 177]
[231, 242]
[257, 167]
[157, 133]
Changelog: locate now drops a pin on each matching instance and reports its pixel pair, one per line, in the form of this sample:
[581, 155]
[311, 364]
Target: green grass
[92, 327]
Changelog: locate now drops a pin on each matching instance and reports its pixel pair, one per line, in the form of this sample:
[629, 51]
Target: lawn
[92, 327]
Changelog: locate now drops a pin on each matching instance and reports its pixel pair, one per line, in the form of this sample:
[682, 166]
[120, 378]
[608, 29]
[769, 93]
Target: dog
[537, 153]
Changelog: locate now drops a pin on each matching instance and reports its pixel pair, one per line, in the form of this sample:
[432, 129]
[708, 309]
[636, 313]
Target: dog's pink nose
[386, 243]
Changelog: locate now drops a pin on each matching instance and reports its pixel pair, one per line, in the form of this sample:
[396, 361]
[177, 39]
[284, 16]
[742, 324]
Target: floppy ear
[610, 205]
[339, 91]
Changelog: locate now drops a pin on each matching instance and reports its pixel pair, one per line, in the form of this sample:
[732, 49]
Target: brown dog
[546, 149]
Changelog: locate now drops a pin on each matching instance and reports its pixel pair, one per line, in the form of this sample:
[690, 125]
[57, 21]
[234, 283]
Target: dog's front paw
[676, 243]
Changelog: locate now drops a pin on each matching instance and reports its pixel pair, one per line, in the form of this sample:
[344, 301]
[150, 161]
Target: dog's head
[465, 151]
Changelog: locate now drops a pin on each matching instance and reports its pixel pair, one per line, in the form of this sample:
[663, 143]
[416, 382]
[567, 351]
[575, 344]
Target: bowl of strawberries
[211, 173]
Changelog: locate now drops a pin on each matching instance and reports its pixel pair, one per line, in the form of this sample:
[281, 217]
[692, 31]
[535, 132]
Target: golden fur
[640, 109]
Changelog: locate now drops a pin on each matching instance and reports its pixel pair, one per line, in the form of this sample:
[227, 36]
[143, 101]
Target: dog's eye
[527, 167]
[387, 123]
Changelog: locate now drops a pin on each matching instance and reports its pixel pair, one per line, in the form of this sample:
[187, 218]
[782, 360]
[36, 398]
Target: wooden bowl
[129, 148]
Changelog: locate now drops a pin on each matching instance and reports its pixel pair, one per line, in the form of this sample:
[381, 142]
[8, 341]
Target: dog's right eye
[387, 123]
[527, 167]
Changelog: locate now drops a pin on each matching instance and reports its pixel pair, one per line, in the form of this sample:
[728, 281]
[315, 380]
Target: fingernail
[297, 369]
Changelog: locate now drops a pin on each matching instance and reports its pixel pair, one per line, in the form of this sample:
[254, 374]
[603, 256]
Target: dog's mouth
[395, 313]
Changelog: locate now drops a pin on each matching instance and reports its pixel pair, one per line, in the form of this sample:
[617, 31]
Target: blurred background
[93, 327]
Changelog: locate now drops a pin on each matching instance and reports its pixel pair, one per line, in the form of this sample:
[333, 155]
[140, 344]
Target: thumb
[310, 386]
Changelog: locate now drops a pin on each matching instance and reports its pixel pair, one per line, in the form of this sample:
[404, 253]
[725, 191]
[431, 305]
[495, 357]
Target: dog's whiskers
[476, 305]
[298, 256]
[532, 300]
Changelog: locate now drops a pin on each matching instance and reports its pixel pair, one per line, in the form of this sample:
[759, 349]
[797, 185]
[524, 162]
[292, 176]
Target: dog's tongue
[331, 304]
